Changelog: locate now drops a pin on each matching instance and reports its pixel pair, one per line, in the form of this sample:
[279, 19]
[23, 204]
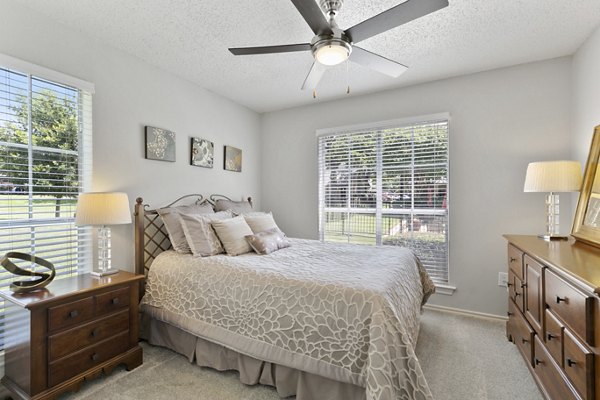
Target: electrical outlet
[503, 279]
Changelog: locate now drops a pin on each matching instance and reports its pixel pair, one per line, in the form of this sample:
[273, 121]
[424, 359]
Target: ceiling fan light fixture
[332, 52]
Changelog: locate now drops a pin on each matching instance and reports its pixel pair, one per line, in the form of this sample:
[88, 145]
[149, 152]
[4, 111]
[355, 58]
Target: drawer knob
[523, 340]
[551, 336]
[559, 299]
[73, 314]
[95, 332]
[538, 362]
[512, 259]
[509, 284]
[570, 362]
[509, 313]
[517, 294]
[523, 285]
[94, 357]
[115, 301]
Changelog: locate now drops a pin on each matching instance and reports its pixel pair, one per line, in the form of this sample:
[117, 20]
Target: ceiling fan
[331, 45]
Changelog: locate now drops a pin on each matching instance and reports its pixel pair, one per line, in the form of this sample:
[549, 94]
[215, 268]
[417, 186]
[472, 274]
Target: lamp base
[553, 237]
[101, 274]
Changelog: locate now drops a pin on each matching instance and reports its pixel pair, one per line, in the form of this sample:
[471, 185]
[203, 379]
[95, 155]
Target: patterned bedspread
[346, 312]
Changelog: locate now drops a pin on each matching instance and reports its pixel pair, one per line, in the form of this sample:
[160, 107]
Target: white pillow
[260, 222]
[232, 232]
[171, 219]
[200, 235]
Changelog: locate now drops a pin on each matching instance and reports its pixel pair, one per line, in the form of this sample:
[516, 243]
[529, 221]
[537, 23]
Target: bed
[316, 320]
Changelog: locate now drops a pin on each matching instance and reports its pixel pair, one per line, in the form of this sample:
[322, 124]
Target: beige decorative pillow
[268, 241]
[200, 235]
[171, 219]
[260, 222]
[232, 234]
[238, 207]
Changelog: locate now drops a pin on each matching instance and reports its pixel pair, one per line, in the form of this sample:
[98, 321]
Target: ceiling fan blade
[286, 48]
[377, 62]
[395, 16]
[313, 16]
[314, 76]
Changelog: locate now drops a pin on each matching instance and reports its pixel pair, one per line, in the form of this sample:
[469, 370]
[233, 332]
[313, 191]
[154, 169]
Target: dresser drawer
[554, 337]
[548, 372]
[112, 301]
[524, 337]
[70, 313]
[579, 365]
[516, 290]
[67, 342]
[63, 369]
[515, 261]
[570, 304]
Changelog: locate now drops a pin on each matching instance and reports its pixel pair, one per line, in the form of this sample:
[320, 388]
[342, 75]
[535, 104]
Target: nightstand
[74, 329]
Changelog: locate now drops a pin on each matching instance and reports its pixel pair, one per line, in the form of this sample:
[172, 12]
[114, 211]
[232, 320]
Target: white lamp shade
[553, 176]
[102, 209]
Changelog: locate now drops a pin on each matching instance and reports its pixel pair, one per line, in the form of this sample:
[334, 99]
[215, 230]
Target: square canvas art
[233, 159]
[202, 153]
[160, 144]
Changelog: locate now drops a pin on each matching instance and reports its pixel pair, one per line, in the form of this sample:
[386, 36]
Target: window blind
[45, 162]
[388, 186]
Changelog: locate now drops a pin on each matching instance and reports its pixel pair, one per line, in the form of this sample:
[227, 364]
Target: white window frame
[443, 288]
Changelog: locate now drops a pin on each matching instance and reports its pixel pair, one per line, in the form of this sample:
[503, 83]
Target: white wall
[129, 95]
[585, 105]
[500, 121]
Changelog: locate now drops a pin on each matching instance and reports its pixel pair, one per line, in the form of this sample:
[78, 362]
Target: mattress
[349, 313]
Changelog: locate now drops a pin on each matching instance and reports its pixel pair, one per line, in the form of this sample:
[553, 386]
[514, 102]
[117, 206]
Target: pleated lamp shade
[553, 176]
[102, 209]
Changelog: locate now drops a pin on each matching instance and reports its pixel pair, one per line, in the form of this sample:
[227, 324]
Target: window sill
[444, 289]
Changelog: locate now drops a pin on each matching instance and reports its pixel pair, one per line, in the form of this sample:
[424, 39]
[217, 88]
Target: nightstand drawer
[570, 304]
[67, 342]
[87, 358]
[112, 301]
[70, 313]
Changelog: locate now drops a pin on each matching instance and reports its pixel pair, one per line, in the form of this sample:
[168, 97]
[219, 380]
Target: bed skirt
[287, 381]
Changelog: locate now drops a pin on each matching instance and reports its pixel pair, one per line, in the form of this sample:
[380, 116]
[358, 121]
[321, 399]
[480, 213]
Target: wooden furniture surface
[554, 314]
[75, 329]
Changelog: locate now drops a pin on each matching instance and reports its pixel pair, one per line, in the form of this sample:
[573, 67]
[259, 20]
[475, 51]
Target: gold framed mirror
[586, 226]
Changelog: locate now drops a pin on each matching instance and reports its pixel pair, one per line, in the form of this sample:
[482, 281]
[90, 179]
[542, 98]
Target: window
[388, 185]
[45, 162]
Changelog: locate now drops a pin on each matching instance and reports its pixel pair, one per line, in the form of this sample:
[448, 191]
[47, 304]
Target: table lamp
[553, 177]
[102, 209]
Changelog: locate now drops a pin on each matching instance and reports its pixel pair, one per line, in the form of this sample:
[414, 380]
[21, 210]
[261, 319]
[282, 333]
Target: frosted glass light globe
[331, 55]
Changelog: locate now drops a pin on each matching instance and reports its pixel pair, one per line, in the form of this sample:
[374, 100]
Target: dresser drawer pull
[115, 301]
[94, 357]
[509, 313]
[551, 336]
[538, 362]
[509, 284]
[523, 340]
[513, 259]
[517, 294]
[523, 285]
[559, 299]
[95, 332]
[74, 314]
[570, 362]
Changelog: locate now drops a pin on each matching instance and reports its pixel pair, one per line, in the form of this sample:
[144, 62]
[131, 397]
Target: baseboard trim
[465, 312]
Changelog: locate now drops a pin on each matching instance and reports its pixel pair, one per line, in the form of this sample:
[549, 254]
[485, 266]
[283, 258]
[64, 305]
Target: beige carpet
[462, 358]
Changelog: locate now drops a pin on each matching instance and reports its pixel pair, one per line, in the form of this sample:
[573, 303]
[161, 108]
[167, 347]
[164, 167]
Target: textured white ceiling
[190, 38]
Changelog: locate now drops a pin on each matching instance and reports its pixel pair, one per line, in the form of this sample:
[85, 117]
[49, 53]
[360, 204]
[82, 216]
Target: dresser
[75, 329]
[554, 314]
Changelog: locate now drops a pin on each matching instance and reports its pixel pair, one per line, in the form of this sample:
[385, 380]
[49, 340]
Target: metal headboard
[151, 237]
[214, 197]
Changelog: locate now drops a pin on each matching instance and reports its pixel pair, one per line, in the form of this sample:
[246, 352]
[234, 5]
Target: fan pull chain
[347, 77]
[314, 93]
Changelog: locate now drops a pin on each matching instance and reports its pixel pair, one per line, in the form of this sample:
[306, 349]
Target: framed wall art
[202, 153]
[160, 144]
[233, 159]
